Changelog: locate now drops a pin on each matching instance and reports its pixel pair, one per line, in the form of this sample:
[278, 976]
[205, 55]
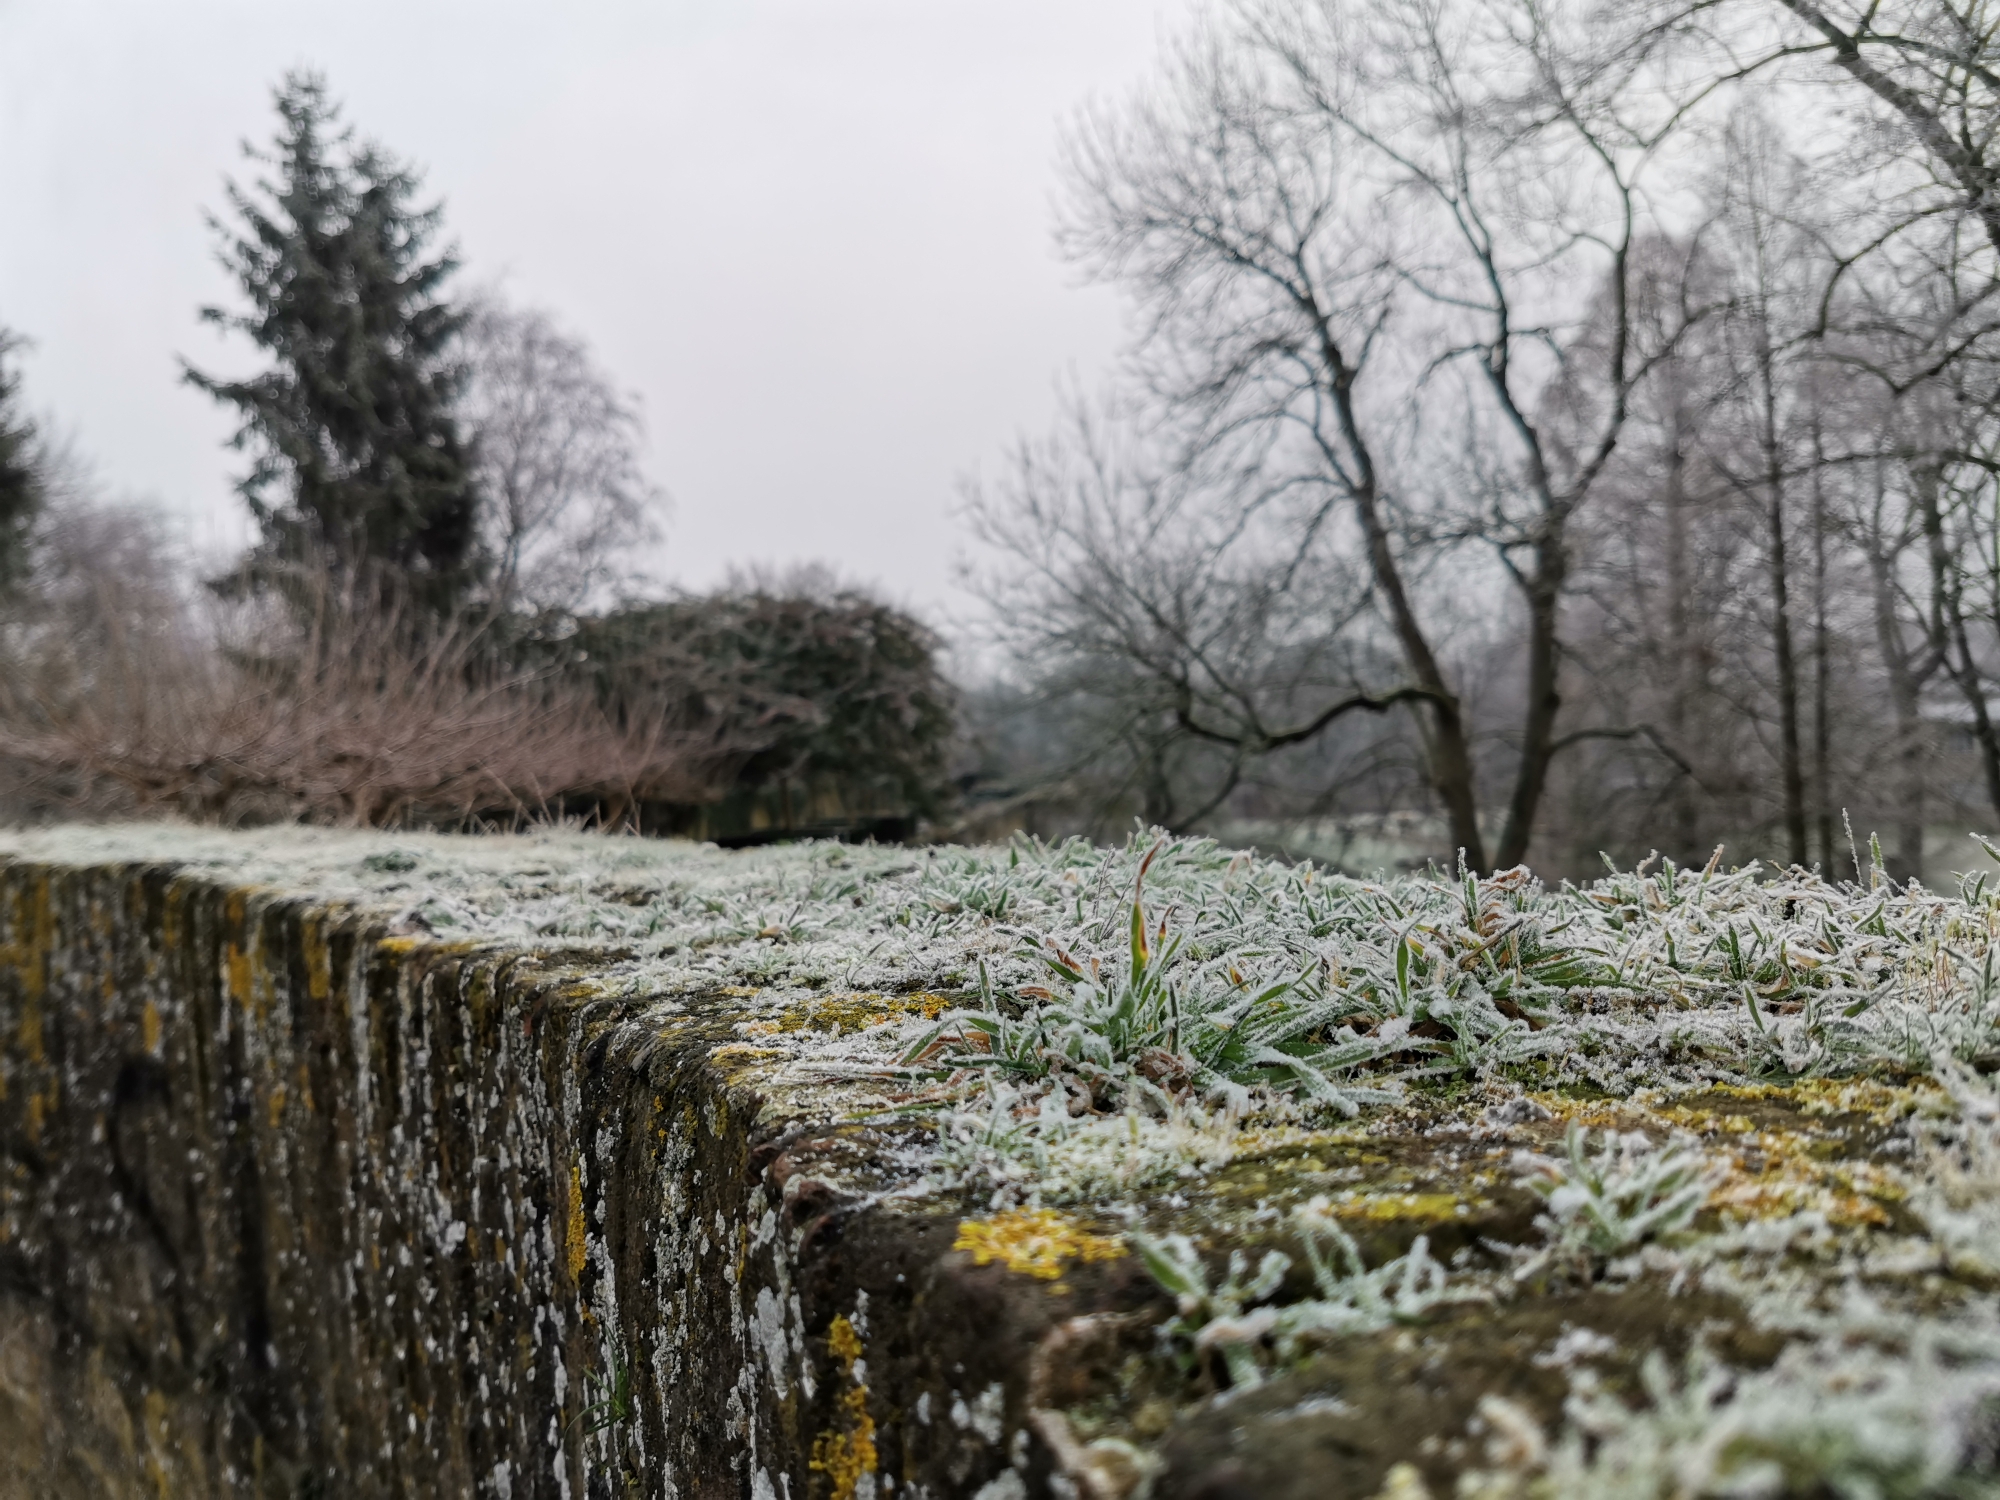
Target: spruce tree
[358, 462]
[20, 478]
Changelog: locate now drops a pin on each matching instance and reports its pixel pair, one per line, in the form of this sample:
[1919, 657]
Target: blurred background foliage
[1538, 441]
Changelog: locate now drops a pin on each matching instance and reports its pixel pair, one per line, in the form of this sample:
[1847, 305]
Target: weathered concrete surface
[293, 1206]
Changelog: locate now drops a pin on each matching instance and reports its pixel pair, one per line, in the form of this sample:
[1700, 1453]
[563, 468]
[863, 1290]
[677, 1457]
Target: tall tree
[20, 478]
[1388, 262]
[358, 462]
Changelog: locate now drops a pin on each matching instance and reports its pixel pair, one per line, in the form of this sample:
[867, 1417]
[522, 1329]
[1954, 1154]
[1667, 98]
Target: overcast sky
[812, 235]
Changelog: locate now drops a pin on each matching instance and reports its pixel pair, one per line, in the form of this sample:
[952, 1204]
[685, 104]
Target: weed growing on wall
[1224, 1316]
[1611, 1199]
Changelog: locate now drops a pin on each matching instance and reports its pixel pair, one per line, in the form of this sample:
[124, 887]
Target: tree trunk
[1791, 772]
[1904, 687]
[1955, 647]
[1156, 786]
[1822, 684]
[1544, 593]
[1686, 845]
[1450, 748]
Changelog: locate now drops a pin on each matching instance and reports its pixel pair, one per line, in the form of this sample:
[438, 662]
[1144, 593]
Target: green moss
[836, 1015]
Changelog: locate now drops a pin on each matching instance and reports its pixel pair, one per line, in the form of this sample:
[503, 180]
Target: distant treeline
[1546, 431]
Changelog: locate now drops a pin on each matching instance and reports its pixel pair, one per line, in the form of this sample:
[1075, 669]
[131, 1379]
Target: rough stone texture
[297, 1199]
[294, 1206]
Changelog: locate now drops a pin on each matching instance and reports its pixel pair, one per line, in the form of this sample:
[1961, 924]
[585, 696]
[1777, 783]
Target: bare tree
[556, 454]
[1521, 351]
[1184, 637]
[1906, 323]
[1387, 265]
[1930, 64]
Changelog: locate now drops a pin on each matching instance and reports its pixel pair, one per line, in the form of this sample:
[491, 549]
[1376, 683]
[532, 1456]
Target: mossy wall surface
[296, 1206]
[565, 1165]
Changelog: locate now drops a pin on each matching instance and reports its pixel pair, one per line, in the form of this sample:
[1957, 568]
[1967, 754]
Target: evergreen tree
[20, 479]
[359, 465]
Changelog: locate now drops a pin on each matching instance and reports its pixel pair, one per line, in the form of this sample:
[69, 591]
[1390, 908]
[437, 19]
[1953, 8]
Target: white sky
[812, 235]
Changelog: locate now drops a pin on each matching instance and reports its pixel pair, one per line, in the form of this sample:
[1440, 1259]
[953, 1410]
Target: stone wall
[294, 1205]
[299, 1199]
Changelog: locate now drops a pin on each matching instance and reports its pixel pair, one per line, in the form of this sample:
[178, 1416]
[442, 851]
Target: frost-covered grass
[1827, 1419]
[1216, 976]
[1613, 1199]
[1351, 1298]
[1112, 1011]
[1286, 979]
[1170, 972]
[1078, 1026]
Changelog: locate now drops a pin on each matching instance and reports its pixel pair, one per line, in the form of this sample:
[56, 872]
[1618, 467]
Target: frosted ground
[1745, 1086]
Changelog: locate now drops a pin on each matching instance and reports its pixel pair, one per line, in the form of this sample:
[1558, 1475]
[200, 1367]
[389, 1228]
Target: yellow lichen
[1592, 1114]
[35, 973]
[846, 1453]
[576, 1241]
[740, 1052]
[1035, 1242]
[28, 957]
[1391, 1207]
[319, 960]
[149, 1029]
[844, 1344]
[1880, 1103]
[1784, 1177]
[236, 960]
[849, 1013]
[1769, 1171]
